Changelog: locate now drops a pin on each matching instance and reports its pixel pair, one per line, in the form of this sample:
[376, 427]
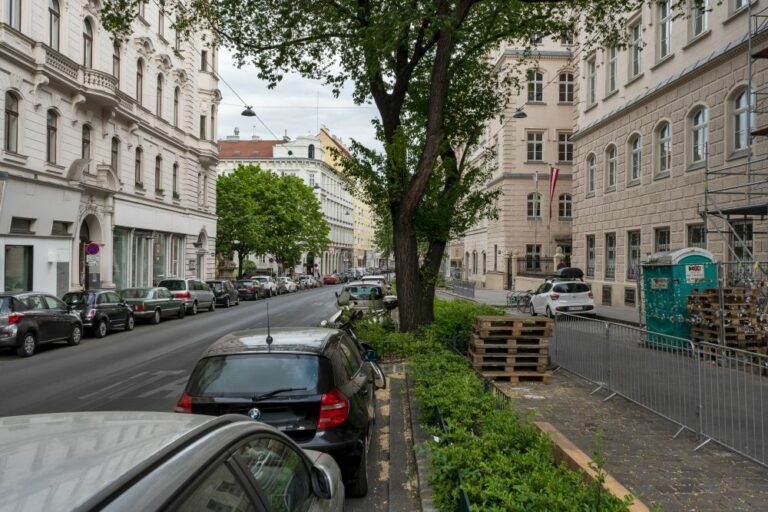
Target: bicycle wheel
[524, 304]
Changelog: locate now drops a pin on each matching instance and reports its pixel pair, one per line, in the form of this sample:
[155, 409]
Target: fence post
[700, 392]
[608, 353]
[721, 301]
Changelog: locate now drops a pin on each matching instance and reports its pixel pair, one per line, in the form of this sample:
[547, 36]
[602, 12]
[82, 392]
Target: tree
[263, 213]
[418, 61]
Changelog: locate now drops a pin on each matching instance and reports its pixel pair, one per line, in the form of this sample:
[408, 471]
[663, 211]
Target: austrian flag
[553, 175]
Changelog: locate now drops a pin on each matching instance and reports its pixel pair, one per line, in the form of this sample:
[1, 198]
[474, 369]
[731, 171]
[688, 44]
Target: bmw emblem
[254, 414]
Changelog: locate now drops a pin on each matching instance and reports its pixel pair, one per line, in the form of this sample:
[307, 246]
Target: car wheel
[156, 317]
[76, 336]
[193, 312]
[549, 313]
[533, 311]
[213, 305]
[226, 303]
[130, 323]
[182, 311]
[358, 487]
[28, 345]
[101, 329]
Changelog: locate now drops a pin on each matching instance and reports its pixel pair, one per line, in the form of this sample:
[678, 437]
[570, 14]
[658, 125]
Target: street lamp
[519, 113]
[248, 112]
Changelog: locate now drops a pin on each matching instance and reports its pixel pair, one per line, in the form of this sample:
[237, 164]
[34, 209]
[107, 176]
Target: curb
[420, 438]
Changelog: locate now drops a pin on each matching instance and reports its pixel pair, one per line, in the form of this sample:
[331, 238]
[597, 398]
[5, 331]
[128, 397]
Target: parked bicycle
[520, 300]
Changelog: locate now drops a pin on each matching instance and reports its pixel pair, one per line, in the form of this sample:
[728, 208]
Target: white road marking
[116, 384]
[172, 389]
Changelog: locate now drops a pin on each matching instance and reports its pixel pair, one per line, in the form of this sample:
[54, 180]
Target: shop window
[18, 267]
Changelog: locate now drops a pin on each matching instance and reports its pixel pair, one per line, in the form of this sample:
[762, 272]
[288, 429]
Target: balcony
[100, 87]
[535, 266]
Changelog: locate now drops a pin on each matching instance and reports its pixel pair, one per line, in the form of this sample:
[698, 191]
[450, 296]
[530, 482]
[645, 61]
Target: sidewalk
[499, 298]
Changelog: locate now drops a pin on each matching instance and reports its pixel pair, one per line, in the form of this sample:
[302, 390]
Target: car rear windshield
[135, 293]
[174, 284]
[75, 299]
[216, 285]
[244, 283]
[251, 374]
[364, 292]
[571, 288]
[260, 278]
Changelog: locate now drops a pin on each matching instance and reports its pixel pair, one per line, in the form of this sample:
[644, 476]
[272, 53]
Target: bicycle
[520, 300]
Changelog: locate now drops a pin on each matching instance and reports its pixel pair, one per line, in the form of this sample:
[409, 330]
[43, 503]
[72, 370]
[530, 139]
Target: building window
[699, 17]
[564, 147]
[13, 13]
[567, 39]
[610, 255]
[11, 122]
[161, 24]
[741, 240]
[158, 174]
[474, 262]
[60, 228]
[175, 180]
[635, 50]
[213, 122]
[612, 69]
[203, 122]
[159, 104]
[591, 174]
[87, 44]
[54, 17]
[740, 121]
[565, 206]
[739, 4]
[311, 151]
[50, 139]
[534, 205]
[18, 268]
[495, 257]
[699, 136]
[697, 236]
[138, 172]
[566, 87]
[22, 225]
[633, 254]
[143, 10]
[610, 167]
[116, 61]
[591, 82]
[665, 28]
[140, 81]
[484, 263]
[114, 161]
[635, 158]
[535, 86]
[535, 146]
[664, 148]
[533, 257]
[176, 98]
[204, 60]
[661, 239]
[86, 142]
[591, 255]
[178, 41]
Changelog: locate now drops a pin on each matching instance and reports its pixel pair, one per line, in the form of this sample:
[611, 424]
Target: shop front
[144, 258]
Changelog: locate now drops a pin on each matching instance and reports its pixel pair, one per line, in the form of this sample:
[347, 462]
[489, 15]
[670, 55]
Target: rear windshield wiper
[256, 398]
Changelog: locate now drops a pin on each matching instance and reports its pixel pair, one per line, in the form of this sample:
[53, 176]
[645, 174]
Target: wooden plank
[519, 377]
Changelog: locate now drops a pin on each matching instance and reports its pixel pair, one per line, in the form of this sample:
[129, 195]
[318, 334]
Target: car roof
[374, 277]
[85, 453]
[360, 283]
[311, 340]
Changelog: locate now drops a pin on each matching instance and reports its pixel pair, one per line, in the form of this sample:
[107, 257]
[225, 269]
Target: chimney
[286, 138]
[236, 136]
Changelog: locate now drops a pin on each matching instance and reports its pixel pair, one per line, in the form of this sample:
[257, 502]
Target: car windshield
[174, 284]
[135, 293]
[250, 374]
[215, 285]
[364, 292]
[75, 298]
[259, 278]
[571, 288]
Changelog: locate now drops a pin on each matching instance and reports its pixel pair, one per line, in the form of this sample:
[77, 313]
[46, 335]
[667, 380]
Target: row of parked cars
[28, 319]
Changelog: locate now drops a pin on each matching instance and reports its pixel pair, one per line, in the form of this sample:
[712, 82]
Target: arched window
[311, 151]
[635, 157]
[610, 167]
[175, 180]
[116, 61]
[466, 260]
[87, 43]
[566, 88]
[11, 122]
[591, 174]
[565, 206]
[158, 174]
[52, 126]
[176, 99]
[114, 160]
[159, 104]
[699, 135]
[534, 205]
[535, 86]
[484, 263]
[740, 121]
[54, 15]
[138, 172]
[86, 142]
[664, 148]
[474, 262]
[140, 81]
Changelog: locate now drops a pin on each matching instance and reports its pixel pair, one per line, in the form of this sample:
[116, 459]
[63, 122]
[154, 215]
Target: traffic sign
[92, 248]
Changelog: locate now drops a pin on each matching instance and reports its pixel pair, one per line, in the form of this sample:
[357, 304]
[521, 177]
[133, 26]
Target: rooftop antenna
[269, 336]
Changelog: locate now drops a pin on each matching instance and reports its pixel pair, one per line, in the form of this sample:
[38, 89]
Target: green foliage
[454, 318]
[248, 269]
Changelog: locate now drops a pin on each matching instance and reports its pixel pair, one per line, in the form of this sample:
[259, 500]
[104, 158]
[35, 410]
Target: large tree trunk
[240, 261]
[413, 297]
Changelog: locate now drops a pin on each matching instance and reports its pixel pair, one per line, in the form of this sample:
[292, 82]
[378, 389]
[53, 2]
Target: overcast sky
[291, 106]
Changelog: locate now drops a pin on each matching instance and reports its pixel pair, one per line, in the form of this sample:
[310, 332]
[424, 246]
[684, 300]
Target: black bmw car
[313, 384]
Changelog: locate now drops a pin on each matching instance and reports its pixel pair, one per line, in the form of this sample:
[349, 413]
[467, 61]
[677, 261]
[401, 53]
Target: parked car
[360, 296]
[249, 289]
[555, 296]
[269, 285]
[313, 384]
[225, 292]
[308, 281]
[152, 461]
[195, 293]
[331, 279]
[153, 304]
[378, 279]
[29, 319]
[288, 284]
[101, 310]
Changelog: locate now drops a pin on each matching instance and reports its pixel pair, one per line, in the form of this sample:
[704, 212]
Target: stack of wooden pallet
[511, 348]
[741, 322]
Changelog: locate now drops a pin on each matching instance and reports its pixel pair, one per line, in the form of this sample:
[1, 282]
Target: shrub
[456, 318]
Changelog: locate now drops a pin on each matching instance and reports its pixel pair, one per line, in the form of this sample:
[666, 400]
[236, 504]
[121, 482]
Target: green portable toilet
[668, 280]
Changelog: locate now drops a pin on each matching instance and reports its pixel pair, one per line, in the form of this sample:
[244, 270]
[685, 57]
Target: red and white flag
[554, 173]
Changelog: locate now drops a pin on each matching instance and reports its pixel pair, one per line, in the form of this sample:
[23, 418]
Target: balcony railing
[532, 265]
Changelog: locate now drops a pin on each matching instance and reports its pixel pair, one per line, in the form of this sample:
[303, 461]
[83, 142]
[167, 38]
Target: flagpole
[549, 220]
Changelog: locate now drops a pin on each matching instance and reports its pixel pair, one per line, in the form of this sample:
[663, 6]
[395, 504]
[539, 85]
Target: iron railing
[532, 265]
[463, 288]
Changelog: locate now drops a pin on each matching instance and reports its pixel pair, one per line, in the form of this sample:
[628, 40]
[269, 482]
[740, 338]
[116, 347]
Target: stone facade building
[651, 121]
[107, 156]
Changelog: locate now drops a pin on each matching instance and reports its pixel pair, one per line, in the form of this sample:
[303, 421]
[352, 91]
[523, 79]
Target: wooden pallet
[489, 322]
[508, 359]
[515, 333]
[519, 377]
[483, 349]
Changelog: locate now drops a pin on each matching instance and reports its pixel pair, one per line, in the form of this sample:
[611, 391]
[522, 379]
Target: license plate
[576, 308]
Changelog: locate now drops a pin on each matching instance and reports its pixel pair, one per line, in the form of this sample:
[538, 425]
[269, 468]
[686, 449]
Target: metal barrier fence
[716, 392]
[463, 288]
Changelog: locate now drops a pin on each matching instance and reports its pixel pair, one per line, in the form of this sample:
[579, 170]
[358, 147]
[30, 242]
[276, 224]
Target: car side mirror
[322, 483]
[372, 356]
[324, 323]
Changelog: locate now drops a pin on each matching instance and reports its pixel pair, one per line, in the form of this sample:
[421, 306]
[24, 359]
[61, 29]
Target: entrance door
[85, 238]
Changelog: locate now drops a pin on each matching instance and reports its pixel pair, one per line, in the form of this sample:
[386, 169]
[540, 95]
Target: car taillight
[183, 295]
[15, 318]
[184, 405]
[334, 409]
[139, 307]
[554, 296]
[590, 295]
[251, 288]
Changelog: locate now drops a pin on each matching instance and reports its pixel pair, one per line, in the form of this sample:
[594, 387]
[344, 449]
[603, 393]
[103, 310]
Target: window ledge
[634, 79]
[696, 39]
[565, 103]
[564, 162]
[697, 165]
[565, 219]
[17, 158]
[535, 102]
[590, 194]
[610, 94]
[143, 20]
[735, 14]
[534, 218]
[739, 153]
[162, 38]
[52, 167]
[612, 188]
[590, 107]
[663, 60]
[534, 162]
[661, 175]
[633, 183]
